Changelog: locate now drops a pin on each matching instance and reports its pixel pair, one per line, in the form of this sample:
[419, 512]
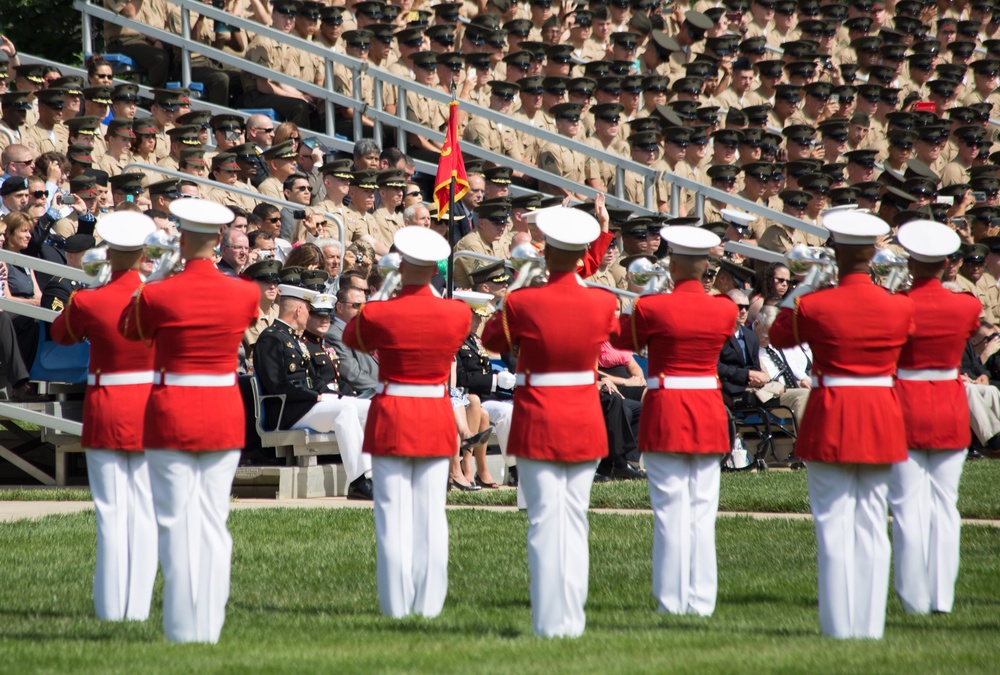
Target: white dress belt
[571, 379]
[683, 382]
[850, 381]
[928, 374]
[194, 380]
[412, 390]
[121, 378]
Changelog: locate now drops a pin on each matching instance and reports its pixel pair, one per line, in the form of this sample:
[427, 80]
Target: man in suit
[358, 370]
[739, 361]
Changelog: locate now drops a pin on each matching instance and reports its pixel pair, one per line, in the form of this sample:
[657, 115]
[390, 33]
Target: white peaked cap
[125, 231]
[735, 217]
[927, 241]
[201, 215]
[567, 229]
[474, 299]
[289, 291]
[420, 245]
[853, 228]
[690, 240]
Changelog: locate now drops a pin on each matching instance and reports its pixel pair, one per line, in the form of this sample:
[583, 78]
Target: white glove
[505, 380]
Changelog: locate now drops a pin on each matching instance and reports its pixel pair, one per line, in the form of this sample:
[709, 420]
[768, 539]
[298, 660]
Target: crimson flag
[451, 165]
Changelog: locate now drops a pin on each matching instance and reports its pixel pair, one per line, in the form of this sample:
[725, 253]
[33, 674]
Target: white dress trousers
[684, 491]
[411, 531]
[557, 496]
[850, 514]
[501, 413]
[346, 417]
[126, 534]
[191, 497]
[923, 495]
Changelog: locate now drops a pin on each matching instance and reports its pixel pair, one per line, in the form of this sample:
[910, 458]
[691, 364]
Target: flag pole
[451, 217]
[451, 237]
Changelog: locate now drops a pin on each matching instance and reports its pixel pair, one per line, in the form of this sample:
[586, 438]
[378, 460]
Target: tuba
[96, 264]
[815, 262]
[165, 251]
[891, 268]
[653, 277]
[530, 266]
[388, 267]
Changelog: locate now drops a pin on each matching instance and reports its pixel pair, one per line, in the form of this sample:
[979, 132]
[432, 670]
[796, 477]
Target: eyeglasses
[297, 139]
[415, 193]
[302, 188]
[352, 305]
[25, 162]
[39, 194]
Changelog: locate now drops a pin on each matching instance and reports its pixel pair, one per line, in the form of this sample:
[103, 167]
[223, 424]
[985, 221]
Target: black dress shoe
[602, 478]
[511, 480]
[626, 471]
[973, 455]
[478, 439]
[360, 488]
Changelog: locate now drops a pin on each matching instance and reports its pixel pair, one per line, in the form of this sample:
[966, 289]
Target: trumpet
[96, 264]
[530, 267]
[166, 252]
[653, 277]
[815, 262]
[388, 267]
[892, 268]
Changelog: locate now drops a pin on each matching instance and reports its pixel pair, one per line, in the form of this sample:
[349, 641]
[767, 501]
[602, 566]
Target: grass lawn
[768, 491]
[304, 600]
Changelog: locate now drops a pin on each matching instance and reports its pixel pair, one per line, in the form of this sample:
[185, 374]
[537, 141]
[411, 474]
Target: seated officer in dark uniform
[282, 362]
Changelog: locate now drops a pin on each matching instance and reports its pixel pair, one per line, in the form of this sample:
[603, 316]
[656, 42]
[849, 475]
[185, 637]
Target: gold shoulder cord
[506, 327]
[357, 331]
[631, 319]
[138, 324]
[69, 329]
[795, 321]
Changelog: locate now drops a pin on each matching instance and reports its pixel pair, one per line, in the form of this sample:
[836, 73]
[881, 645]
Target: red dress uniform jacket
[685, 332]
[595, 253]
[557, 328]
[195, 322]
[112, 416]
[937, 412]
[855, 330]
[417, 335]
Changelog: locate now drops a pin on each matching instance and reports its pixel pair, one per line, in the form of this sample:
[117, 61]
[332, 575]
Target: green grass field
[304, 600]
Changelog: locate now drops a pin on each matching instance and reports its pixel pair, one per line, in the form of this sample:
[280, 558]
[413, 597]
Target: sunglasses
[415, 193]
[276, 219]
[742, 308]
[709, 274]
[39, 194]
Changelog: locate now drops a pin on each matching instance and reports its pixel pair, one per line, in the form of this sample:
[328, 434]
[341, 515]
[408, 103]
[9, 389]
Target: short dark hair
[264, 210]
[290, 181]
[257, 235]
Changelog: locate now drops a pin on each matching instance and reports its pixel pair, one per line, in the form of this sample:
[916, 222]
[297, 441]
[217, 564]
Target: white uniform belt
[194, 380]
[928, 374]
[683, 382]
[118, 379]
[850, 381]
[412, 390]
[572, 379]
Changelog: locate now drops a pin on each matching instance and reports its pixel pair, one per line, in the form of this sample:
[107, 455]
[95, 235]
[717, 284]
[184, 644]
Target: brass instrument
[653, 277]
[96, 264]
[816, 263]
[891, 268]
[166, 252]
[530, 266]
[388, 267]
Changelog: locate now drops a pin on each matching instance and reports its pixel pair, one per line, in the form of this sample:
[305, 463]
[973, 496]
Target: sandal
[478, 439]
[481, 483]
[454, 484]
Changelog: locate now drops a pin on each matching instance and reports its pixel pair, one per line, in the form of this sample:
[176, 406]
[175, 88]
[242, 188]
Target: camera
[265, 254]
[219, 4]
[299, 214]
[979, 196]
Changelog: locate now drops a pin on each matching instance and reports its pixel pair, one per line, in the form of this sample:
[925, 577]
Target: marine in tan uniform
[780, 238]
[118, 141]
[389, 214]
[489, 238]
[226, 170]
[423, 111]
[644, 149]
[49, 134]
[280, 160]
[356, 43]
[13, 125]
[359, 223]
[607, 120]
[495, 136]
[559, 160]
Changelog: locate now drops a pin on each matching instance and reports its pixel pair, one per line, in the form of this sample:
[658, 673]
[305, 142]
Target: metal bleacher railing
[403, 126]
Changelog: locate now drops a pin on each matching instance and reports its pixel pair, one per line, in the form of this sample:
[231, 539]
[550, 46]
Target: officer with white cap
[411, 432]
[283, 364]
[852, 430]
[684, 427]
[557, 432]
[194, 322]
[118, 386]
[923, 491]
